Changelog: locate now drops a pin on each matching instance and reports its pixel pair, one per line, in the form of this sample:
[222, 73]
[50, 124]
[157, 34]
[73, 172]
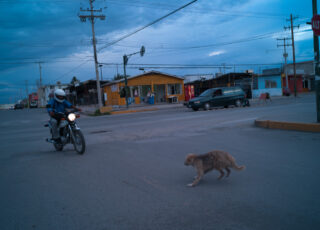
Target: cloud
[4, 85]
[216, 53]
[305, 34]
[36, 30]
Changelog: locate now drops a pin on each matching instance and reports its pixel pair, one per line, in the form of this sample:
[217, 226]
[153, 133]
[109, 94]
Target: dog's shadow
[209, 181]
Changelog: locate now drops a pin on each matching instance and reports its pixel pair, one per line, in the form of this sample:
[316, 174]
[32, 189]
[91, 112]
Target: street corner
[283, 125]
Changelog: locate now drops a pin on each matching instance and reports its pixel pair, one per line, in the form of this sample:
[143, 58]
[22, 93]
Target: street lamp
[125, 62]
[101, 71]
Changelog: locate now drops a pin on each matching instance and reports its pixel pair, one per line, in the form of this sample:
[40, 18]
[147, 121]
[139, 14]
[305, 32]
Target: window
[270, 84]
[218, 92]
[174, 89]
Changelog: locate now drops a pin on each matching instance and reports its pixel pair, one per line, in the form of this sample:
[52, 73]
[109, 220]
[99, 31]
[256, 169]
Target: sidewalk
[304, 121]
[89, 110]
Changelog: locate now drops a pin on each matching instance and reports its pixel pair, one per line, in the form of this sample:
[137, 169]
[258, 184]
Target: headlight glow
[71, 117]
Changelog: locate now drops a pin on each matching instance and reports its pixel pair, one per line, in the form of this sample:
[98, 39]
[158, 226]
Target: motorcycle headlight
[71, 117]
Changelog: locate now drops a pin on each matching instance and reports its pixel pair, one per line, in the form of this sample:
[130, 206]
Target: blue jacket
[58, 107]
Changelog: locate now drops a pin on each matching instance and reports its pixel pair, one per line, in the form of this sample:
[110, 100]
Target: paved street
[132, 174]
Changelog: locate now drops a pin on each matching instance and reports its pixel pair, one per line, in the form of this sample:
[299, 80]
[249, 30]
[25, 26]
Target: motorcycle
[69, 132]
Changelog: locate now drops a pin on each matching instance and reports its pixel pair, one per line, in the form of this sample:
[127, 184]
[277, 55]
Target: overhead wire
[257, 37]
[138, 30]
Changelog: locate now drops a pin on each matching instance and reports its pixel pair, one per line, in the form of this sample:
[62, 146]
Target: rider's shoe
[54, 140]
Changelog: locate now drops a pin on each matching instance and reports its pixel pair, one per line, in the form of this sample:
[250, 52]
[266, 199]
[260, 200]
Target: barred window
[174, 89]
[271, 84]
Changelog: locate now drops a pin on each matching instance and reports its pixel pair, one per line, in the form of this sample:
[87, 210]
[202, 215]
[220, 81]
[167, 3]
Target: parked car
[33, 104]
[18, 106]
[219, 97]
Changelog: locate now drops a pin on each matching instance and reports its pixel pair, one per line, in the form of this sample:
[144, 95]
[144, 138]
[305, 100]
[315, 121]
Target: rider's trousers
[54, 128]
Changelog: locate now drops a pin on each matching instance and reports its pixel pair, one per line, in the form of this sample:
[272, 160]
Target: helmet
[59, 95]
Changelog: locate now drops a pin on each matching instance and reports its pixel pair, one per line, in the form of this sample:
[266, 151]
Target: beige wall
[113, 98]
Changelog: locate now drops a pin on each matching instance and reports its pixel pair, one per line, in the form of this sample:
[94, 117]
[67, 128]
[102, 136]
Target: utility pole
[27, 92]
[125, 62]
[92, 18]
[101, 71]
[20, 94]
[40, 74]
[293, 51]
[316, 61]
[285, 55]
[40, 93]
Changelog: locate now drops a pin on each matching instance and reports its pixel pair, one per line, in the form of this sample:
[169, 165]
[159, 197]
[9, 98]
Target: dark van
[219, 97]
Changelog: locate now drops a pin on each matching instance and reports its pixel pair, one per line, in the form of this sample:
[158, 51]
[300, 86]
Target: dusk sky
[242, 34]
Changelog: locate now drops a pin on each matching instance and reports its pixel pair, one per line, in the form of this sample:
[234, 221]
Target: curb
[132, 111]
[303, 127]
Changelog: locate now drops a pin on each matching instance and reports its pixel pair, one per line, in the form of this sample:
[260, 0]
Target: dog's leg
[197, 179]
[221, 174]
[229, 171]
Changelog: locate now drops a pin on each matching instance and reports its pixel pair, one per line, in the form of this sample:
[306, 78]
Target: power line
[92, 17]
[159, 5]
[285, 55]
[150, 24]
[158, 65]
[126, 36]
[199, 11]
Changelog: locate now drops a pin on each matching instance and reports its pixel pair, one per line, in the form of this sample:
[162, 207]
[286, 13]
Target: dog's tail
[239, 168]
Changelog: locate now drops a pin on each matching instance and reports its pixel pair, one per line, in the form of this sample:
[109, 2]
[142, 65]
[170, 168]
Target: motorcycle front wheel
[79, 142]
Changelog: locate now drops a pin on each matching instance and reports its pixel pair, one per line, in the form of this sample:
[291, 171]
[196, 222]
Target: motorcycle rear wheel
[79, 142]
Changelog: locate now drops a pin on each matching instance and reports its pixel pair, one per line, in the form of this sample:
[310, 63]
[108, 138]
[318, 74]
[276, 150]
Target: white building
[45, 91]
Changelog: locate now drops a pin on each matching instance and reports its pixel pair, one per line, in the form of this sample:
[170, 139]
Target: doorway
[160, 93]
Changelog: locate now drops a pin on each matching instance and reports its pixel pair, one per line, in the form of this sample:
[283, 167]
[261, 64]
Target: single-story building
[161, 86]
[269, 82]
[84, 93]
[300, 83]
[246, 81]
[305, 76]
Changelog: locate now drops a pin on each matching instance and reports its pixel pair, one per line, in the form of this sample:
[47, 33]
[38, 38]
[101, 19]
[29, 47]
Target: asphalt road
[132, 175]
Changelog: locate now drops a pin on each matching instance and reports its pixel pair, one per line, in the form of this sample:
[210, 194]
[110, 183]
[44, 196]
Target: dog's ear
[190, 159]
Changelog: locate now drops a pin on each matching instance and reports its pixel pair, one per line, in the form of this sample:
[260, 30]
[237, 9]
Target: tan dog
[216, 159]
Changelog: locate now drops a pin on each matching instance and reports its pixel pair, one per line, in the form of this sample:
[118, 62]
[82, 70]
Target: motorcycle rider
[58, 104]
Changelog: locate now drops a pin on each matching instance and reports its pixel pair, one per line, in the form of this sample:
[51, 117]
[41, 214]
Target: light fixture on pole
[125, 62]
[101, 71]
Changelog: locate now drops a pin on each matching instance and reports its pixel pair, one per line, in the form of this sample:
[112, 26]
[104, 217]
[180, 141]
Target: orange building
[159, 87]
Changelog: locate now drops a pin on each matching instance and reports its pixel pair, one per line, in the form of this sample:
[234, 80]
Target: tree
[74, 80]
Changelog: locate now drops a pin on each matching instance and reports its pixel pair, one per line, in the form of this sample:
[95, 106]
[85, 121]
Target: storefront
[150, 87]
